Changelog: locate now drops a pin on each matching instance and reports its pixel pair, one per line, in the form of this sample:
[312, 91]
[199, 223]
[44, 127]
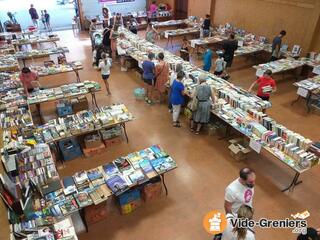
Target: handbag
[193, 104]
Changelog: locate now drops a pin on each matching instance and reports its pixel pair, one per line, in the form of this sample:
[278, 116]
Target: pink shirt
[153, 8]
[27, 78]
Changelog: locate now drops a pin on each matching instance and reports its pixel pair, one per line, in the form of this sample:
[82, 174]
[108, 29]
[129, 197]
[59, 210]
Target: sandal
[197, 132]
[191, 129]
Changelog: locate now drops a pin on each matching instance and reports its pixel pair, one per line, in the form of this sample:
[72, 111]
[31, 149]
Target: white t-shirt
[220, 65]
[238, 195]
[105, 68]
[228, 233]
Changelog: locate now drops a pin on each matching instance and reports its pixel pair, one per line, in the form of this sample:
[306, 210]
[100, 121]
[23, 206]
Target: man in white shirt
[240, 191]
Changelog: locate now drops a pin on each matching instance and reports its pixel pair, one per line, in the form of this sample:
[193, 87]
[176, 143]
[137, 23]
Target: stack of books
[65, 91]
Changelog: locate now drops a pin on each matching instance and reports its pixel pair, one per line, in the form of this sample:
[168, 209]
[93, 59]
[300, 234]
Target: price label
[302, 92]
[193, 44]
[316, 70]
[166, 34]
[256, 146]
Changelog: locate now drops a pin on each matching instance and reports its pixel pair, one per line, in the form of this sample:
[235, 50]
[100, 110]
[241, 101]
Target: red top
[264, 82]
[153, 8]
[27, 78]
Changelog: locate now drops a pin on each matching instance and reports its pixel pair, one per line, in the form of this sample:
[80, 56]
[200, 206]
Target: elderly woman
[201, 112]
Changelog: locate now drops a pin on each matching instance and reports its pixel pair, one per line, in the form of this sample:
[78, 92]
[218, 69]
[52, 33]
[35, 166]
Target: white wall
[91, 8]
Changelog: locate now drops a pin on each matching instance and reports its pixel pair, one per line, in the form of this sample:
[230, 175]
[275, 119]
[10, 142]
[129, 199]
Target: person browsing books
[29, 79]
[184, 50]
[240, 191]
[148, 75]
[276, 46]
[229, 47]
[220, 65]
[207, 60]
[206, 26]
[266, 85]
[177, 98]
[236, 233]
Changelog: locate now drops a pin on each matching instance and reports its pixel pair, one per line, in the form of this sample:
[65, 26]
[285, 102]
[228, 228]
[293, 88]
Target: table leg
[295, 101]
[77, 75]
[123, 125]
[294, 183]
[308, 102]
[83, 218]
[171, 42]
[56, 145]
[164, 183]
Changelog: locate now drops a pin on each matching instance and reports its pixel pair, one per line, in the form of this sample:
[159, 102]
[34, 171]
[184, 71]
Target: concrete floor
[205, 166]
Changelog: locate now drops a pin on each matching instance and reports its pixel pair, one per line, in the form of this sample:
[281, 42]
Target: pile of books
[311, 84]
[40, 52]
[184, 31]
[35, 39]
[279, 66]
[35, 164]
[287, 145]
[82, 122]
[8, 62]
[56, 68]
[64, 91]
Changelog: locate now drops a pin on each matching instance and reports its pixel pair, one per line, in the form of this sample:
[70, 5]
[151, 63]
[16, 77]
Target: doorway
[181, 9]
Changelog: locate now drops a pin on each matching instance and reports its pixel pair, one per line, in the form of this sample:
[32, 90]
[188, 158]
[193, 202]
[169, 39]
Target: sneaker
[123, 69]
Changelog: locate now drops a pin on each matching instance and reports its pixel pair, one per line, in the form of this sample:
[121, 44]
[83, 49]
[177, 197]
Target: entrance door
[181, 9]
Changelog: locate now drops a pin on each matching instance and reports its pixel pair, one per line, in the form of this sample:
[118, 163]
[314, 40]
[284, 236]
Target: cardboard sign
[256, 146]
[302, 92]
[259, 72]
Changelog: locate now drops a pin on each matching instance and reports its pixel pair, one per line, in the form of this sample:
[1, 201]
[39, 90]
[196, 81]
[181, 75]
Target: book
[162, 165]
[117, 184]
[69, 185]
[122, 164]
[69, 205]
[83, 199]
[110, 169]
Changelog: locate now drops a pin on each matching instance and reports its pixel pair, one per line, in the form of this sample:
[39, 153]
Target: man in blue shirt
[149, 77]
[207, 60]
[177, 98]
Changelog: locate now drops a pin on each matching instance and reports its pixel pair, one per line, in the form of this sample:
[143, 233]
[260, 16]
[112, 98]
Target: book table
[288, 161]
[308, 89]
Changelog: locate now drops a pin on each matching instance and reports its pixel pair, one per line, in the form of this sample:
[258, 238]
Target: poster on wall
[115, 1]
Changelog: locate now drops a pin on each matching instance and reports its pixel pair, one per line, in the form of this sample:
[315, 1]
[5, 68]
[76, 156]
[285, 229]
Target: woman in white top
[235, 233]
[104, 66]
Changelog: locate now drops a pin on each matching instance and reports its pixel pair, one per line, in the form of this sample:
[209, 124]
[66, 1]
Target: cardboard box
[79, 104]
[92, 141]
[239, 148]
[112, 142]
[96, 213]
[89, 152]
[152, 190]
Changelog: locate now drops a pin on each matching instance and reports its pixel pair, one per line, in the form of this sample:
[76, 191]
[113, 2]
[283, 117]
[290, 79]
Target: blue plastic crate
[139, 93]
[70, 149]
[64, 110]
[129, 196]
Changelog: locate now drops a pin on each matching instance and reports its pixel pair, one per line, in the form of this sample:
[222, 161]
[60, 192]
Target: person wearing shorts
[104, 66]
[149, 77]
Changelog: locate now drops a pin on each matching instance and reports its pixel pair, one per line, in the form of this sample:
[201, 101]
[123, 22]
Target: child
[104, 66]
[220, 65]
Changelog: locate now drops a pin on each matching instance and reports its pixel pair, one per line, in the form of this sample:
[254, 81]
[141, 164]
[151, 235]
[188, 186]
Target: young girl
[220, 65]
[104, 66]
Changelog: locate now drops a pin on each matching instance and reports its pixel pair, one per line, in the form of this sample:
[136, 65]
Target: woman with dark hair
[149, 77]
[29, 79]
[162, 76]
[106, 41]
[184, 51]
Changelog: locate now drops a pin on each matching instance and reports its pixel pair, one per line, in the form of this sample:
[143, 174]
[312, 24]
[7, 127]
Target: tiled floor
[205, 167]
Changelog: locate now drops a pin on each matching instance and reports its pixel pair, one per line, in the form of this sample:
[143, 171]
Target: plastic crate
[139, 93]
[70, 149]
[64, 109]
